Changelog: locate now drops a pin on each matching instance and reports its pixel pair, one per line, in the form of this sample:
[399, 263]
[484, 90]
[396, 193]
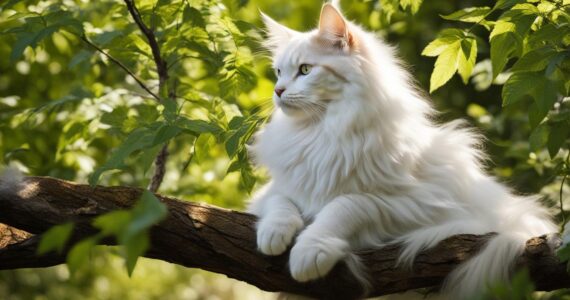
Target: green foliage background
[69, 111]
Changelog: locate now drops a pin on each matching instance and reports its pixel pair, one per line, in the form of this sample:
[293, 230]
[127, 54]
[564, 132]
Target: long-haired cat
[357, 162]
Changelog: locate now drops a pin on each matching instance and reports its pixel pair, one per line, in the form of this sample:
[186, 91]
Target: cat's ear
[278, 35]
[333, 28]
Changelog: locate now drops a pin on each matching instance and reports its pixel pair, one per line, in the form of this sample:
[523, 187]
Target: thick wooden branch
[223, 241]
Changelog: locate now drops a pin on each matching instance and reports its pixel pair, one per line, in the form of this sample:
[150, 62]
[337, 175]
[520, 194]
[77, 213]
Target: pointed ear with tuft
[278, 35]
[334, 29]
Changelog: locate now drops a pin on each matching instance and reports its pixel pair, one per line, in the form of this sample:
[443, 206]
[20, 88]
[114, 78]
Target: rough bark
[223, 241]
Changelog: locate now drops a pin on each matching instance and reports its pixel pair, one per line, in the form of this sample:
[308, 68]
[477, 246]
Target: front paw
[275, 234]
[312, 258]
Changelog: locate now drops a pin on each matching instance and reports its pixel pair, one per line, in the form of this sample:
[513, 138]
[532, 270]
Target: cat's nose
[279, 91]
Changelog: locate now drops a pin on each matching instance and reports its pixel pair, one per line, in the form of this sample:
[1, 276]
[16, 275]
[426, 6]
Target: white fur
[357, 162]
[11, 180]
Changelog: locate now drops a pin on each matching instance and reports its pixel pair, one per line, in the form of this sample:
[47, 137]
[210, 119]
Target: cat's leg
[279, 221]
[326, 241]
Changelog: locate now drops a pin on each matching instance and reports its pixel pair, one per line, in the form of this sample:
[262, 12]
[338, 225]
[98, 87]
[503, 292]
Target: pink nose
[279, 92]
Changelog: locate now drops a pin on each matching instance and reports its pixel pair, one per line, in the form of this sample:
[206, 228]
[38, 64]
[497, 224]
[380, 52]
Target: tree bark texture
[223, 241]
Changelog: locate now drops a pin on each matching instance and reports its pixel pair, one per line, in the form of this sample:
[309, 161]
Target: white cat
[357, 162]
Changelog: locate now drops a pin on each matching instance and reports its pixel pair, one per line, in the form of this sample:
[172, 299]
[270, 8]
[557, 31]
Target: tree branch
[161, 67]
[159, 169]
[223, 241]
[162, 70]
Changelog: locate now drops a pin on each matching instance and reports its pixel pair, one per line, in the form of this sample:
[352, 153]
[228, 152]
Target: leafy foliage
[540, 70]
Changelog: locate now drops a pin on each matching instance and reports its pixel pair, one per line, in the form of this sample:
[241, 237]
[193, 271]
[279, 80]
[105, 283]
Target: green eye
[305, 69]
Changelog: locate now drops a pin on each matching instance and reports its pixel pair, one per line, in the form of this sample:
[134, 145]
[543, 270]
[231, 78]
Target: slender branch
[160, 169]
[223, 241]
[121, 65]
[161, 67]
[162, 70]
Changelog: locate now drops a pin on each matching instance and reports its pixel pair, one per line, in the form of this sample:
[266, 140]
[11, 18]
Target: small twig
[122, 66]
[481, 20]
[152, 42]
[160, 169]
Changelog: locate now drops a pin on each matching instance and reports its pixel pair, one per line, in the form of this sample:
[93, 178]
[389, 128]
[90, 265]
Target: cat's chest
[306, 163]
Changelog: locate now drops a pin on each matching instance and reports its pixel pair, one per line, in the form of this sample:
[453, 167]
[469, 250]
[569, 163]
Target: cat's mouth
[288, 104]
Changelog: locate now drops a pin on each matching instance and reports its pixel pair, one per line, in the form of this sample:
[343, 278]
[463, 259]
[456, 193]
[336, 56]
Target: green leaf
[147, 157]
[467, 58]
[445, 66]
[539, 137]
[470, 14]
[235, 166]
[80, 57]
[543, 90]
[77, 96]
[193, 16]
[517, 20]
[131, 226]
[233, 143]
[138, 139]
[198, 127]
[414, 5]
[518, 85]
[147, 212]
[72, 132]
[202, 146]
[247, 178]
[113, 223]
[545, 93]
[165, 134]
[502, 4]
[78, 256]
[445, 40]
[9, 4]
[116, 117]
[30, 39]
[551, 33]
[535, 60]
[502, 47]
[170, 111]
[535, 115]
[133, 248]
[21, 44]
[558, 135]
[236, 122]
[55, 238]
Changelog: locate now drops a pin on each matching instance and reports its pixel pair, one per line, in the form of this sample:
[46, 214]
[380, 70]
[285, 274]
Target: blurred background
[64, 107]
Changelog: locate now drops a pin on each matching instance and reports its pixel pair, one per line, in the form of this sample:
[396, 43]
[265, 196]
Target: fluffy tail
[495, 261]
[492, 264]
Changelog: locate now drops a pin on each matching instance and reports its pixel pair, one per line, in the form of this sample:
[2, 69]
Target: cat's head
[313, 68]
